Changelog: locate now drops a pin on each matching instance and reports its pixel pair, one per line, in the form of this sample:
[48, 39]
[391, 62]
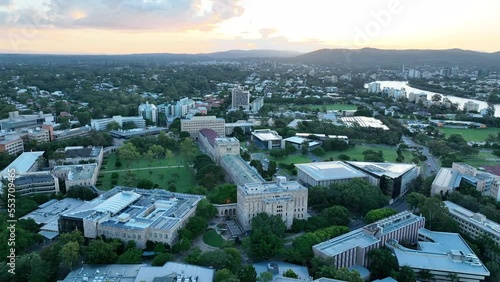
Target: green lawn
[481, 159]
[141, 169]
[292, 159]
[213, 239]
[471, 134]
[356, 153]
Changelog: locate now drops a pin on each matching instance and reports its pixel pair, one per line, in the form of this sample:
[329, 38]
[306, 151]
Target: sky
[203, 26]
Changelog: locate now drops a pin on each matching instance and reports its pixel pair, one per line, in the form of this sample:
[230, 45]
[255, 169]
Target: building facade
[101, 124]
[148, 112]
[240, 98]
[11, 144]
[197, 123]
[286, 199]
[267, 139]
[77, 175]
[327, 173]
[33, 183]
[352, 248]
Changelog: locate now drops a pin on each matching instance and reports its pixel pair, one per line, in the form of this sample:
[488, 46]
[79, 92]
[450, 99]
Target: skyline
[205, 26]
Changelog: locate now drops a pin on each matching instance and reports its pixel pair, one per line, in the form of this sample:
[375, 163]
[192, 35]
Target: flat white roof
[467, 215]
[364, 122]
[266, 135]
[118, 202]
[330, 170]
[447, 177]
[300, 140]
[24, 162]
[393, 170]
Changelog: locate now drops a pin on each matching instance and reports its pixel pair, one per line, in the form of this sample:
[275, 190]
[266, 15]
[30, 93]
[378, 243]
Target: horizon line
[242, 50]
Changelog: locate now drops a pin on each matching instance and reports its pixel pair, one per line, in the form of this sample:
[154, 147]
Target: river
[454, 99]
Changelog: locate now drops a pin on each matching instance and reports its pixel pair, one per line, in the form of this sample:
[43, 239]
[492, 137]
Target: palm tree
[454, 277]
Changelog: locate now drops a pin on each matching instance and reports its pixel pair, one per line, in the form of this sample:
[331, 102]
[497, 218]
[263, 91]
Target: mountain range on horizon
[348, 57]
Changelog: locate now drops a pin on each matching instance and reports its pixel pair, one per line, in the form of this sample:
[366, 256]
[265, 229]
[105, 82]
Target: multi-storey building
[446, 180]
[257, 104]
[216, 147]
[197, 123]
[240, 98]
[77, 175]
[268, 139]
[286, 199]
[32, 183]
[149, 112]
[41, 135]
[417, 97]
[394, 179]
[17, 121]
[11, 144]
[473, 224]
[486, 183]
[100, 124]
[327, 173]
[80, 155]
[238, 171]
[352, 248]
[133, 214]
[471, 107]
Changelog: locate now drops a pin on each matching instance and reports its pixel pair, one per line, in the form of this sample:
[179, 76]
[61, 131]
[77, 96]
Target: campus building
[257, 104]
[194, 124]
[101, 124]
[323, 137]
[128, 134]
[486, 183]
[133, 214]
[148, 112]
[80, 154]
[473, 224]
[327, 173]
[240, 98]
[41, 135]
[216, 147]
[246, 126]
[446, 180]
[394, 179]
[267, 139]
[238, 171]
[169, 272]
[11, 144]
[417, 97]
[352, 248]
[441, 254]
[71, 133]
[77, 175]
[298, 142]
[17, 121]
[286, 199]
[363, 122]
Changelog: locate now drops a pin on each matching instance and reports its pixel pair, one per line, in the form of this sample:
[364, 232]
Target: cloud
[162, 15]
[267, 32]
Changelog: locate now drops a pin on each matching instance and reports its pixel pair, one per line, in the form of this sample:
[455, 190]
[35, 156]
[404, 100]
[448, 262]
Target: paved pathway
[143, 168]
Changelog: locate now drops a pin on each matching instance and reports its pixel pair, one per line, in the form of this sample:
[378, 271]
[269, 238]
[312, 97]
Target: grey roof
[447, 252]
[475, 219]
[447, 177]
[24, 162]
[300, 270]
[392, 170]
[104, 272]
[241, 169]
[149, 273]
[329, 170]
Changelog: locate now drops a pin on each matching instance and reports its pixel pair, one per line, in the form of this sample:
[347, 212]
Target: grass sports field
[160, 172]
[471, 134]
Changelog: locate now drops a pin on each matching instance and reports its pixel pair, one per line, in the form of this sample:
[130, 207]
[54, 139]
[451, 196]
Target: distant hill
[378, 57]
[241, 54]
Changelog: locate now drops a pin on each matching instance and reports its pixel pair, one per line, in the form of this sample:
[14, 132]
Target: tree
[247, 273]
[425, 275]
[223, 194]
[187, 149]
[101, 252]
[415, 199]
[128, 152]
[453, 277]
[205, 210]
[406, 274]
[161, 259]
[383, 263]
[266, 239]
[437, 217]
[113, 126]
[304, 148]
[290, 274]
[69, 253]
[81, 192]
[378, 214]
[84, 118]
[436, 98]
[131, 256]
[265, 276]
[184, 134]
[224, 275]
[129, 125]
[157, 151]
[145, 184]
[372, 156]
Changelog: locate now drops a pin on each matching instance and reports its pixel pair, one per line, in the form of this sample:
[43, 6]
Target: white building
[471, 107]
[287, 199]
[77, 175]
[327, 173]
[417, 97]
[441, 254]
[217, 147]
[446, 181]
[149, 112]
[374, 87]
[268, 139]
[100, 124]
[197, 123]
[363, 122]
[11, 144]
[257, 104]
[352, 248]
[298, 142]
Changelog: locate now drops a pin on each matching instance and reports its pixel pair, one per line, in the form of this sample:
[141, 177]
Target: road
[429, 167]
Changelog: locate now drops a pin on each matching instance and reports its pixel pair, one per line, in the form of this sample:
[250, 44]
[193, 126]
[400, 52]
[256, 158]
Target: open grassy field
[483, 158]
[160, 172]
[471, 134]
[213, 239]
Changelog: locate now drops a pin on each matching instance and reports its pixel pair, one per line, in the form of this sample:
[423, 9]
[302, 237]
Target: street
[429, 167]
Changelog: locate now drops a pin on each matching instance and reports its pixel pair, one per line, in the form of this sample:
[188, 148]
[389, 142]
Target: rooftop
[271, 187]
[447, 252]
[392, 170]
[181, 271]
[476, 219]
[368, 235]
[447, 177]
[23, 163]
[210, 134]
[137, 132]
[282, 266]
[363, 122]
[77, 172]
[330, 170]
[266, 135]
[104, 272]
[300, 140]
[82, 152]
[244, 172]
